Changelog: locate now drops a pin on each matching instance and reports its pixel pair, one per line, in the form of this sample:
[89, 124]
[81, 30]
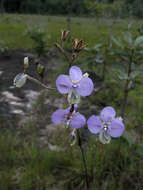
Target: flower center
[75, 83]
[68, 119]
[106, 125]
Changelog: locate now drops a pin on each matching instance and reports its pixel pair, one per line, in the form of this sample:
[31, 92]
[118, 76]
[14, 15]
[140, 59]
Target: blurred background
[123, 8]
[35, 154]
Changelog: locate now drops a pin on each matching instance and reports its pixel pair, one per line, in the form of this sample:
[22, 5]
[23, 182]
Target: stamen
[68, 117]
[75, 81]
[106, 125]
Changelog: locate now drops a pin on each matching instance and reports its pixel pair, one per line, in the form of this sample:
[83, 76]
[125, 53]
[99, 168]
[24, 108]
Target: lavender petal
[64, 84]
[116, 128]
[85, 87]
[75, 73]
[58, 117]
[78, 120]
[94, 124]
[107, 114]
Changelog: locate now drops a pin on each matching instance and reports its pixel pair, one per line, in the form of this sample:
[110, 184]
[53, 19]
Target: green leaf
[128, 38]
[97, 47]
[139, 41]
[134, 74]
[140, 52]
[117, 52]
[123, 76]
[117, 41]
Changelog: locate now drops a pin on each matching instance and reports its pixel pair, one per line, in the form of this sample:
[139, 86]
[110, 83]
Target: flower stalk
[82, 152]
[83, 158]
[40, 83]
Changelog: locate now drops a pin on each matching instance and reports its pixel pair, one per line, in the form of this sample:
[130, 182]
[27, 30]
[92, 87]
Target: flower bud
[20, 80]
[85, 75]
[64, 35]
[78, 45]
[26, 62]
[75, 43]
[73, 137]
[120, 118]
[40, 70]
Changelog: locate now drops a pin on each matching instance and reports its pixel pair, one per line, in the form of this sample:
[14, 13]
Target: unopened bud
[20, 80]
[85, 75]
[40, 70]
[78, 45]
[73, 137]
[64, 35]
[26, 62]
[120, 118]
[75, 42]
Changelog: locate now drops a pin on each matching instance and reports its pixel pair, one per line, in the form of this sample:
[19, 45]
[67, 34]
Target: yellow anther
[105, 124]
[75, 81]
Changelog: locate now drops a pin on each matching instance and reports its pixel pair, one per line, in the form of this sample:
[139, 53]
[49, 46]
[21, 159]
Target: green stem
[126, 89]
[83, 158]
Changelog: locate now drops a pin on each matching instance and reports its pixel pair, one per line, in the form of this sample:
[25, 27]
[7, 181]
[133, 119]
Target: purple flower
[74, 119]
[106, 121]
[75, 81]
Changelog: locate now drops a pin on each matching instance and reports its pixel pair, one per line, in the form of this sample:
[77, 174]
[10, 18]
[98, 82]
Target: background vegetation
[118, 8]
[27, 160]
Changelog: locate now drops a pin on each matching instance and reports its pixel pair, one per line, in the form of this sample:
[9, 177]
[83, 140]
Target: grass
[26, 166]
[91, 30]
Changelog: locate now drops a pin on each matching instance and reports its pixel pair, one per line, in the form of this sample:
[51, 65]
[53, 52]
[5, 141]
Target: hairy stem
[40, 83]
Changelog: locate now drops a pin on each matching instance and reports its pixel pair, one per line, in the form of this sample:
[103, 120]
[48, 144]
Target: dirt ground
[12, 99]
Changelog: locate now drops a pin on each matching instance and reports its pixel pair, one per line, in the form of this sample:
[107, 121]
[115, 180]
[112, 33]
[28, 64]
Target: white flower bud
[85, 75]
[26, 62]
[20, 80]
[120, 118]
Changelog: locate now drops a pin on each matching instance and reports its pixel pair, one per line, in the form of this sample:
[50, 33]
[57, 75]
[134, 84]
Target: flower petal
[94, 124]
[75, 73]
[64, 84]
[78, 120]
[85, 87]
[58, 117]
[107, 114]
[116, 128]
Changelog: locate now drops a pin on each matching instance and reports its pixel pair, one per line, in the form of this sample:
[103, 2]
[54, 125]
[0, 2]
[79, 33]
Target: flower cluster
[75, 85]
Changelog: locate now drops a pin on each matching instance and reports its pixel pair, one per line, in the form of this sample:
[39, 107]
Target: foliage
[38, 37]
[26, 166]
